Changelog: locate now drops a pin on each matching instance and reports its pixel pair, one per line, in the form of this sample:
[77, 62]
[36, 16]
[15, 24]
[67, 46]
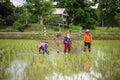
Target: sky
[18, 2]
[96, 6]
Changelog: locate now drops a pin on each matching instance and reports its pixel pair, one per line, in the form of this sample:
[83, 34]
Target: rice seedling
[103, 60]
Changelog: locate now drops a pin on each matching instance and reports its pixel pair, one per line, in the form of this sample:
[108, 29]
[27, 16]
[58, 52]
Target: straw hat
[68, 34]
[87, 30]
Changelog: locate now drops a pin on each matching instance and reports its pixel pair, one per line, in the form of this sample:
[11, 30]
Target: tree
[6, 9]
[20, 23]
[53, 19]
[117, 17]
[108, 12]
[40, 8]
[80, 12]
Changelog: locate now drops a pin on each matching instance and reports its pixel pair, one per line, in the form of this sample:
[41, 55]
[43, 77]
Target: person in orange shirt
[87, 40]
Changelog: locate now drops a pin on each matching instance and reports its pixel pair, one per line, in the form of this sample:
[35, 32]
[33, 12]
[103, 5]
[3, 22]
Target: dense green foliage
[80, 12]
[109, 12]
[6, 11]
[39, 8]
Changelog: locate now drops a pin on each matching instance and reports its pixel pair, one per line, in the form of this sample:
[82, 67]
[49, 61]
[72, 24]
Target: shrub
[8, 30]
[56, 29]
[90, 23]
[18, 26]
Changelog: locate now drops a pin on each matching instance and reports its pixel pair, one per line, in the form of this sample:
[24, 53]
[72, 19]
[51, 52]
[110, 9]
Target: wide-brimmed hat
[87, 30]
[68, 34]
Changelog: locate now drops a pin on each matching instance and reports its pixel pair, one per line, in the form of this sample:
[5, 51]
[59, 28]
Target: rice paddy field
[20, 60]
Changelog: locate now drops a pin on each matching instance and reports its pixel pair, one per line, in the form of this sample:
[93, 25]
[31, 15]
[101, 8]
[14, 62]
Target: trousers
[67, 46]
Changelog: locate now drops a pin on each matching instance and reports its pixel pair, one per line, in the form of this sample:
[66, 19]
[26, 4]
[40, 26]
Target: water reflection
[17, 70]
[81, 76]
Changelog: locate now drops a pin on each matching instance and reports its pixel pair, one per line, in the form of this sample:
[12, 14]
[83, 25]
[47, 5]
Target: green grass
[51, 29]
[105, 31]
[33, 31]
[104, 52]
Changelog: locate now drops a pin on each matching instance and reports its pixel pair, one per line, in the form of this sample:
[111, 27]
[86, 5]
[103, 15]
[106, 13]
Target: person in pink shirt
[44, 47]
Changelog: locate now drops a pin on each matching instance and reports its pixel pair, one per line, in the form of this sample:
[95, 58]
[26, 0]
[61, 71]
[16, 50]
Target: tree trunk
[41, 23]
[107, 27]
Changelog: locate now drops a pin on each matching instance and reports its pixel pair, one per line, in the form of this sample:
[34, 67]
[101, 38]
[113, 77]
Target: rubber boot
[89, 49]
[47, 52]
[84, 49]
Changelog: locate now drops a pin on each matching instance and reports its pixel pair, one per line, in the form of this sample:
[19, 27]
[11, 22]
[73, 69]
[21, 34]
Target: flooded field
[20, 60]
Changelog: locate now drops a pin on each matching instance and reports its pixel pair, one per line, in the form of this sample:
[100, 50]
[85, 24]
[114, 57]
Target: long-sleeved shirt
[87, 38]
[44, 45]
[67, 40]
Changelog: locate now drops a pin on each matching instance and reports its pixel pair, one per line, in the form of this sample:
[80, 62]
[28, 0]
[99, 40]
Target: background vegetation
[81, 14]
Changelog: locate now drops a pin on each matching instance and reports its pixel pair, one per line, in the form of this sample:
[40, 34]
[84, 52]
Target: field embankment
[52, 36]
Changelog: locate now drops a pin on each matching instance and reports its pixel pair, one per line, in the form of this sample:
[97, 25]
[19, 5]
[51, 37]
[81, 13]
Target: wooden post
[44, 31]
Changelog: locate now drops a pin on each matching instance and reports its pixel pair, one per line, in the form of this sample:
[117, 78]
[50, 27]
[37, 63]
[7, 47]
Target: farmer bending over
[44, 47]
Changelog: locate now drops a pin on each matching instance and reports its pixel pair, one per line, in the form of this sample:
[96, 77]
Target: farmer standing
[67, 42]
[87, 40]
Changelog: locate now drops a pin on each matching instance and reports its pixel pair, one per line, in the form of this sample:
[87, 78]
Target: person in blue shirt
[67, 43]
